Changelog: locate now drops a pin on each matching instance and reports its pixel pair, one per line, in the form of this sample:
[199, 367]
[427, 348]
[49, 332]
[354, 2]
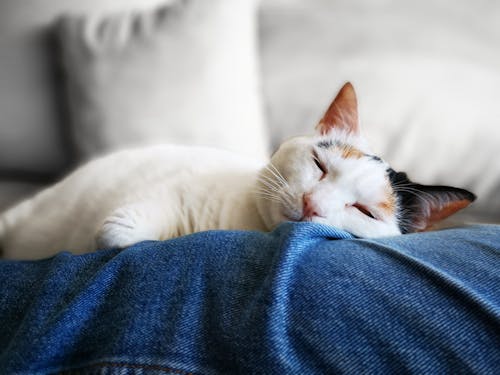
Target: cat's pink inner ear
[438, 213]
[342, 113]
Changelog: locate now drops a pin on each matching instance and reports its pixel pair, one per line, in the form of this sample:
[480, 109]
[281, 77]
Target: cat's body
[162, 192]
[183, 189]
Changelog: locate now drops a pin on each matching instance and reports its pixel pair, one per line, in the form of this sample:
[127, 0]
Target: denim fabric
[303, 299]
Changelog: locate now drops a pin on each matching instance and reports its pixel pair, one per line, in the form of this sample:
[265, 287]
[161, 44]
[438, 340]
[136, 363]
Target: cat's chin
[310, 219]
[313, 219]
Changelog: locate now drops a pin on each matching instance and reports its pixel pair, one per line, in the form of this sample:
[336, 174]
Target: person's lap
[292, 301]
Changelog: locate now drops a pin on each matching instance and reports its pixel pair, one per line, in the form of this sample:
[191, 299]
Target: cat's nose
[309, 209]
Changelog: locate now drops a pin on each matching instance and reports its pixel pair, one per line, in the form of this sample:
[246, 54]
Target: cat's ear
[423, 206]
[342, 113]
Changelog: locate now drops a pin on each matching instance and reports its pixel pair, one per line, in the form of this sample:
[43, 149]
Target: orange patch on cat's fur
[348, 151]
[389, 205]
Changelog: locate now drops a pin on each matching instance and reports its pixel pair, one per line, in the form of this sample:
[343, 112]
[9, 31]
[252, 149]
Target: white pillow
[185, 72]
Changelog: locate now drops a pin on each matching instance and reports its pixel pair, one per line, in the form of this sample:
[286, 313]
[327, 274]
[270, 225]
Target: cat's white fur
[151, 193]
[166, 191]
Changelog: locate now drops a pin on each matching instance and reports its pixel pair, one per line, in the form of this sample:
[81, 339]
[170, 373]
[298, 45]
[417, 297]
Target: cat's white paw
[124, 227]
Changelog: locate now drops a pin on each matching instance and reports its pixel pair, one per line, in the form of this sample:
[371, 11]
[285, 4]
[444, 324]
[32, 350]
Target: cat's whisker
[283, 193]
[418, 193]
[276, 183]
[268, 196]
[283, 196]
[271, 181]
[290, 201]
[271, 199]
[269, 169]
[404, 218]
[270, 191]
[400, 186]
[277, 173]
[406, 185]
[267, 192]
[268, 184]
[290, 196]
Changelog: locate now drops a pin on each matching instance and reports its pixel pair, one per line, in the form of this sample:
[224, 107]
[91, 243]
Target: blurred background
[79, 79]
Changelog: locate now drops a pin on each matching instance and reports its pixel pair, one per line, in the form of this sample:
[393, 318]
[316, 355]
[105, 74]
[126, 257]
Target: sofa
[426, 74]
[81, 79]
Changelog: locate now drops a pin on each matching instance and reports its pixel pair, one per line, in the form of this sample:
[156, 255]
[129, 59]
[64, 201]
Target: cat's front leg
[130, 224]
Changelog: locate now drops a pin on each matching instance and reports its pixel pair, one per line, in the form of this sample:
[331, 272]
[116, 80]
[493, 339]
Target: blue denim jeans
[303, 299]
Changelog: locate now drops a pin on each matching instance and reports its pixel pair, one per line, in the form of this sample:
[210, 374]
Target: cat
[160, 192]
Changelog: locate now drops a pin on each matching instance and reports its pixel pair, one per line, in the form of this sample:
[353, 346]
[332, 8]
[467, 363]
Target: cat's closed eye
[364, 210]
[320, 166]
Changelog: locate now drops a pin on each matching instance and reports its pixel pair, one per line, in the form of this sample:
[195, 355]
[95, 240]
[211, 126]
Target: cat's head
[333, 178]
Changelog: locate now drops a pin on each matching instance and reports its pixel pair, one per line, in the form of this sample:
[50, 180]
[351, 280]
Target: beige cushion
[427, 77]
[185, 72]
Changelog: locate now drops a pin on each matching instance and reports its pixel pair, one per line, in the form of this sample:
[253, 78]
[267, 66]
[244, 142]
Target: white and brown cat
[166, 191]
